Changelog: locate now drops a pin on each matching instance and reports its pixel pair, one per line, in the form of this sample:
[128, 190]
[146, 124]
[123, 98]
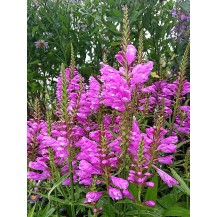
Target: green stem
[139, 211]
[174, 114]
[72, 189]
[71, 174]
[188, 201]
[139, 192]
[57, 204]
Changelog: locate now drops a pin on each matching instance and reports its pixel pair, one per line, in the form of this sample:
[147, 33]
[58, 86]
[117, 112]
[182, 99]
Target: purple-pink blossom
[128, 195]
[92, 197]
[170, 181]
[119, 182]
[114, 193]
[130, 54]
[149, 203]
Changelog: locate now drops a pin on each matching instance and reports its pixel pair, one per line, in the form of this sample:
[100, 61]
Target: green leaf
[89, 213]
[34, 30]
[183, 186]
[151, 193]
[31, 213]
[135, 15]
[46, 212]
[177, 211]
[133, 189]
[58, 183]
[170, 199]
[49, 212]
[182, 143]
[185, 5]
[34, 62]
[108, 209]
[115, 43]
[145, 211]
[116, 13]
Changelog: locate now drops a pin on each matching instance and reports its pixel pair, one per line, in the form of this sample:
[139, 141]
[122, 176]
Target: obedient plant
[98, 139]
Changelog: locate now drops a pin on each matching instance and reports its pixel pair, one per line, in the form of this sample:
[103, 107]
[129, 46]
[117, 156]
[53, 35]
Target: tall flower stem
[125, 116]
[72, 188]
[139, 192]
[180, 85]
[64, 111]
[155, 142]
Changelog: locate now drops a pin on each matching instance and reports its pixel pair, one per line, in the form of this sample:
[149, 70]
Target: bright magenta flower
[119, 57]
[141, 72]
[149, 203]
[127, 194]
[170, 181]
[119, 182]
[130, 54]
[114, 193]
[165, 160]
[92, 197]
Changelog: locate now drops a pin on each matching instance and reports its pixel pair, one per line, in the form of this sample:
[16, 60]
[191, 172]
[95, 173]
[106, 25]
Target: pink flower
[119, 57]
[92, 197]
[38, 165]
[150, 184]
[119, 182]
[93, 96]
[38, 176]
[170, 139]
[86, 169]
[166, 178]
[165, 160]
[167, 148]
[149, 203]
[141, 72]
[115, 145]
[127, 194]
[114, 193]
[115, 90]
[130, 54]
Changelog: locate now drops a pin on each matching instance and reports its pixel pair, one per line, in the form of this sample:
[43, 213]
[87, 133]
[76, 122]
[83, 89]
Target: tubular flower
[115, 90]
[41, 166]
[119, 182]
[114, 193]
[93, 197]
[182, 124]
[93, 94]
[130, 55]
[140, 73]
[166, 178]
[159, 94]
[128, 195]
[149, 203]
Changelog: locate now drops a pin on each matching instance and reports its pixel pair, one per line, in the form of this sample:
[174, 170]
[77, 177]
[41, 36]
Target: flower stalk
[181, 80]
[64, 105]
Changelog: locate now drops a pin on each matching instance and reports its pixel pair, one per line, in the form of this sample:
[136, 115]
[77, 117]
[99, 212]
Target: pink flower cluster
[94, 131]
[153, 141]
